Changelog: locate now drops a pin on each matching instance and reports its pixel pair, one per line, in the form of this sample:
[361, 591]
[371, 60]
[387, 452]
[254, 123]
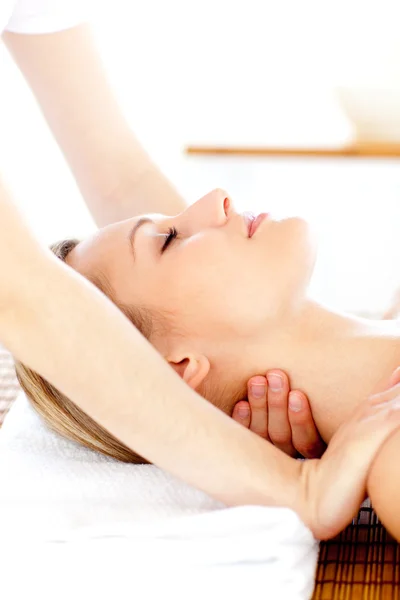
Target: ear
[192, 368]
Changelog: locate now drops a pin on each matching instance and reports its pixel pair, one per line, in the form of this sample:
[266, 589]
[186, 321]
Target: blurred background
[245, 73]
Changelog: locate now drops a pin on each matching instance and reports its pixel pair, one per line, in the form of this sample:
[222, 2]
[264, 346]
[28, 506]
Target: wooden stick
[359, 150]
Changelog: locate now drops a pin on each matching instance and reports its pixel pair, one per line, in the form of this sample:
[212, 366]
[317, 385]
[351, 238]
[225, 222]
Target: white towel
[135, 525]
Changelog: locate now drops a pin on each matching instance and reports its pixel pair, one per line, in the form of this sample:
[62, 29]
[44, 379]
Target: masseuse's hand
[280, 415]
[333, 487]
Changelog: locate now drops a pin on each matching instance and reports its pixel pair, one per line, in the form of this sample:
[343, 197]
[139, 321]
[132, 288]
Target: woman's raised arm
[115, 174]
[61, 326]
[57, 323]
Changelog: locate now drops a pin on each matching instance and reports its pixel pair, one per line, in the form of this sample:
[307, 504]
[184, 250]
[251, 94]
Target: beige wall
[187, 71]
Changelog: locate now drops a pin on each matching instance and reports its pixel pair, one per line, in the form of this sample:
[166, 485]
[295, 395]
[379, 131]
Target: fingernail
[243, 412]
[295, 402]
[257, 390]
[275, 382]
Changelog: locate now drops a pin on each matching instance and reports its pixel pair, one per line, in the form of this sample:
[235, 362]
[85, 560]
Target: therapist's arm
[116, 176]
[57, 323]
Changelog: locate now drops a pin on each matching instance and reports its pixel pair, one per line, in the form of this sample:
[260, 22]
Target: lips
[254, 222]
[248, 218]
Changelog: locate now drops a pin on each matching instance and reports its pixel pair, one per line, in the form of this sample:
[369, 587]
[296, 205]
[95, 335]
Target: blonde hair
[60, 413]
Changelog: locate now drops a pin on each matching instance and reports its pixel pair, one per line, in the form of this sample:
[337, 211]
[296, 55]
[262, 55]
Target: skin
[114, 173]
[117, 179]
[280, 415]
[228, 305]
[156, 422]
[116, 176]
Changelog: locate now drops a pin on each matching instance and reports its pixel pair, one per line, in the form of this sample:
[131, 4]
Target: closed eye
[172, 235]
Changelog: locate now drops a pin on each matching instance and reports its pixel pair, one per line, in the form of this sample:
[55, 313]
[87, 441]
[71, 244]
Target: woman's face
[212, 279]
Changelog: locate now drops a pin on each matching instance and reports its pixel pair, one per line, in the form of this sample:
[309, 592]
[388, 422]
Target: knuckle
[388, 394]
[301, 419]
[259, 404]
[277, 400]
[259, 431]
[280, 438]
[237, 417]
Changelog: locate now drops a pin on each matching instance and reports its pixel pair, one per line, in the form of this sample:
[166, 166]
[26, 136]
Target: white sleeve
[47, 16]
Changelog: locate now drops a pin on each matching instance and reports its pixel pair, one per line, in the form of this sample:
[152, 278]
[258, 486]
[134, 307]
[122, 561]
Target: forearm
[115, 174]
[49, 319]
[133, 192]
[60, 325]
[203, 446]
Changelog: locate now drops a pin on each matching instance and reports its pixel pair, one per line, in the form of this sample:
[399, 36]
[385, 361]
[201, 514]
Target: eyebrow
[134, 230]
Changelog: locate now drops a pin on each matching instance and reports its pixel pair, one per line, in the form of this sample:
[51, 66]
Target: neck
[336, 359]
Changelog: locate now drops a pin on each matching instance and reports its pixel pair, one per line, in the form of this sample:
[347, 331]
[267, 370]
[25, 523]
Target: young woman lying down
[223, 296]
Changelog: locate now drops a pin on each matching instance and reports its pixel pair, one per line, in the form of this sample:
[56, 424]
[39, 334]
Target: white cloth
[137, 524]
[41, 16]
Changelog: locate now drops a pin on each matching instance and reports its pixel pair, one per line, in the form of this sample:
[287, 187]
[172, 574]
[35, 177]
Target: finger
[374, 409]
[241, 413]
[305, 436]
[257, 397]
[386, 395]
[341, 474]
[395, 377]
[279, 430]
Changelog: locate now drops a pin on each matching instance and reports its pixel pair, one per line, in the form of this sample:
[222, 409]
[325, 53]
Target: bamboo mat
[362, 563]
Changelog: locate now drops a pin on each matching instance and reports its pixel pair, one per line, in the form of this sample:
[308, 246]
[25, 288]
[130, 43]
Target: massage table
[362, 563]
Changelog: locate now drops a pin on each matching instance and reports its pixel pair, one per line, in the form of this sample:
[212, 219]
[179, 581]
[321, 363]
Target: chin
[304, 239]
[294, 227]
[298, 224]
[294, 242]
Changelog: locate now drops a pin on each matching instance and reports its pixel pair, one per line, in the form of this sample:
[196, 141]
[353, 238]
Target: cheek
[198, 281]
[213, 287]
[213, 284]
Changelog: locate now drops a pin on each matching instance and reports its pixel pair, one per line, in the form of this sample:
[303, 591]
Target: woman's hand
[280, 415]
[333, 487]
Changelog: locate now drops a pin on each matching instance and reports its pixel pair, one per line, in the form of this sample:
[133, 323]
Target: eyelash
[172, 235]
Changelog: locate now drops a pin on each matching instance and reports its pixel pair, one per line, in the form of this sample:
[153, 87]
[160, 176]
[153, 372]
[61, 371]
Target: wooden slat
[360, 150]
[362, 563]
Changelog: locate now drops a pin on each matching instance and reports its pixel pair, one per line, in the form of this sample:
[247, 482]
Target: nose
[212, 210]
